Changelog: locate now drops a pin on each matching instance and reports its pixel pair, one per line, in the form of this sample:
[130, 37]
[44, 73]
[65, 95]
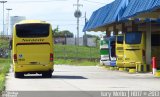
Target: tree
[64, 33]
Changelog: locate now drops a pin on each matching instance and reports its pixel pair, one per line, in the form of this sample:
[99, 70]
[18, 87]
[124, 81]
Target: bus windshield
[32, 30]
[120, 39]
[133, 38]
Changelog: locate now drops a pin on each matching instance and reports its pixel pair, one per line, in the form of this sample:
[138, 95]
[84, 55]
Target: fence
[73, 41]
[76, 52]
[61, 51]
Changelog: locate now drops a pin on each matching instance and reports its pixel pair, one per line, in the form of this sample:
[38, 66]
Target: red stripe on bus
[30, 43]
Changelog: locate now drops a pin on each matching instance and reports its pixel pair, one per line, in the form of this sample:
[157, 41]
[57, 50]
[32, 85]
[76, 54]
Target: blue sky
[56, 12]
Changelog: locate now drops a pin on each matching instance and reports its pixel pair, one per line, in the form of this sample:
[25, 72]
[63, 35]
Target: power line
[61, 20]
[57, 24]
[93, 2]
[57, 20]
[67, 25]
[38, 1]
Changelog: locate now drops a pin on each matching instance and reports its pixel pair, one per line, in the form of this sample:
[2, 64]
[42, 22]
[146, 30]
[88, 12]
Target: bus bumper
[130, 64]
[105, 62]
[113, 63]
[33, 68]
[119, 64]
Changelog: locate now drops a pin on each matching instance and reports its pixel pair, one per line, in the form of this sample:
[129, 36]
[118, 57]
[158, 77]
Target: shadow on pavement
[54, 77]
[67, 77]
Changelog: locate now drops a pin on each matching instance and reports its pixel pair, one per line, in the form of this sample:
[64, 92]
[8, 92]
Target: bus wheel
[47, 74]
[18, 75]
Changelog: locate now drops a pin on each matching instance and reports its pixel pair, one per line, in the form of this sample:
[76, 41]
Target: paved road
[84, 78]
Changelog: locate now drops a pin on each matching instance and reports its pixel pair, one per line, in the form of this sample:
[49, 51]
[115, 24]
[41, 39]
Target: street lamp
[9, 9]
[77, 14]
[3, 14]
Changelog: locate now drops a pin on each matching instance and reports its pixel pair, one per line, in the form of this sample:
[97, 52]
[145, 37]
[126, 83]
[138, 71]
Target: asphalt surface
[83, 78]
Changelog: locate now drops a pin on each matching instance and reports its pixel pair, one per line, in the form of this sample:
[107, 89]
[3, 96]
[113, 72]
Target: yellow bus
[155, 47]
[119, 50]
[134, 49]
[32, 48]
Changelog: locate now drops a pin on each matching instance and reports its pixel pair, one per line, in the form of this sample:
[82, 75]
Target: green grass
[2, 82]
[75, 52]
[76, 62]
[4, 68]
[4, 63]
[76, 55]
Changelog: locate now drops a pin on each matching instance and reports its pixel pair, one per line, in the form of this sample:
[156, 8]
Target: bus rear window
[120, 39]
[133, 38]
[32, 30]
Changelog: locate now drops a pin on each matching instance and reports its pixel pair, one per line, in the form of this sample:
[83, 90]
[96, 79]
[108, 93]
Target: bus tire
[47, 74]
[18, 75]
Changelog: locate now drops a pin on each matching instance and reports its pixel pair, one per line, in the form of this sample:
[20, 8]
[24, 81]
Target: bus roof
[31, 21]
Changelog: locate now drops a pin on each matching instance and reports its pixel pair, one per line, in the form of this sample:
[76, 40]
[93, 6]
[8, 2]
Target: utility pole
[77, 14]
[3, 15]
[8, 19]
[85, 36]
[57, 29]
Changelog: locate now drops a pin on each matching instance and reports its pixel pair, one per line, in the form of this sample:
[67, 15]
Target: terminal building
[139, 22]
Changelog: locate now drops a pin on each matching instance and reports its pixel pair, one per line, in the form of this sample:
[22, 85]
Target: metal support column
[148, 43]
